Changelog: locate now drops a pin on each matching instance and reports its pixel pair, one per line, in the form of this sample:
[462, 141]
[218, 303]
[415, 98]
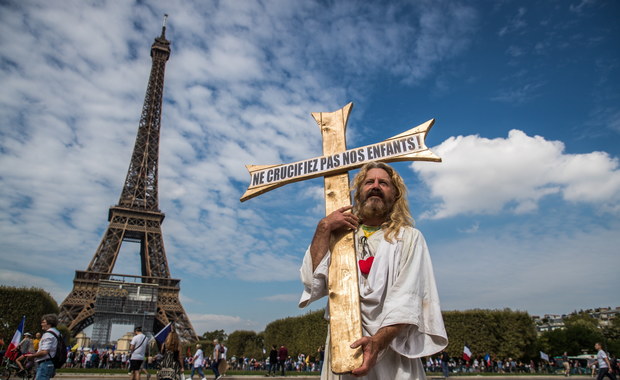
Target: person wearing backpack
[47, 348]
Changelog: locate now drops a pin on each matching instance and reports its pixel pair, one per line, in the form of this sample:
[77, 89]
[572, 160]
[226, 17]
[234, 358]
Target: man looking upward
[401, 316]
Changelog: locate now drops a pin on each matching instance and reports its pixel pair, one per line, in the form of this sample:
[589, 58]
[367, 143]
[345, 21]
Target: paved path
[86, 376]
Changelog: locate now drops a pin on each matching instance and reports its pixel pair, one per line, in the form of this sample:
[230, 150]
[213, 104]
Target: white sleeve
[315, 283]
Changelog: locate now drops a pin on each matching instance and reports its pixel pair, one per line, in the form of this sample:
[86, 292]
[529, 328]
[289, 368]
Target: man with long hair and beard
[401, 315]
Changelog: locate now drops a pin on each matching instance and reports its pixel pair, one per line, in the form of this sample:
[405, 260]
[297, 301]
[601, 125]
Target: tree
[303, 334]
[574, 339]
[504, 333]
[17, 302]
[581, 319]
[611, 336]
[220, 335]
[245, 343]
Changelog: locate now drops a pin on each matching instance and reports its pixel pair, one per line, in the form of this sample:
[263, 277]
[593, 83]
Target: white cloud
[471, 229]
[21, 279]
[514, 51]
[515, 24]
[579, 7]
[519, 94]
[488, 176]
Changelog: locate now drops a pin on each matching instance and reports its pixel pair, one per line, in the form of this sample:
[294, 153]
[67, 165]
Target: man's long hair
[399, 216]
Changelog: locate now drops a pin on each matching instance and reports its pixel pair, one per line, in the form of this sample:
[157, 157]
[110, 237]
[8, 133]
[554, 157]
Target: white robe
[400, 289]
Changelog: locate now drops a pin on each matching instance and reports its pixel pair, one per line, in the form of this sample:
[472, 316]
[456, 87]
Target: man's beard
[375, 207]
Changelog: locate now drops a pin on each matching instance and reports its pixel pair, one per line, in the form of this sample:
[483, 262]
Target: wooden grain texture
[344, 305]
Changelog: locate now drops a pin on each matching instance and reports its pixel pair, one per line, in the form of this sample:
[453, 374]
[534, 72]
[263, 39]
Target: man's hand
[372, 345]
[370, 352]
[340, 220]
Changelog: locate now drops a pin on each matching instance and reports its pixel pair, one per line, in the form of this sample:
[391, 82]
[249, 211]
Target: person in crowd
[137, 347]
[197, 362]
[321, 357]
[47, 348]
[445, 359]
[26, 346]
[282, 357]
[171, 352]
[401, 315]
[273, 360]
[604, 366]
[566, 364]
[215, 364]
[223, 365]
[36, 341]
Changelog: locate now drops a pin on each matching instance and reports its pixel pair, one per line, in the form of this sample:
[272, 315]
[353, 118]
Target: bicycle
[10, 369]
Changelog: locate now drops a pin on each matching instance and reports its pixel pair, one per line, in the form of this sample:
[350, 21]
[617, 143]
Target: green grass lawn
[153, 371]
[292, 373]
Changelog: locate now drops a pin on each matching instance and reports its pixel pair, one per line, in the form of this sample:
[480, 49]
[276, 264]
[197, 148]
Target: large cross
[334, 165]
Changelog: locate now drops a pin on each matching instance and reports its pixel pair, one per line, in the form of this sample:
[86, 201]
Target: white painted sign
[406, 146]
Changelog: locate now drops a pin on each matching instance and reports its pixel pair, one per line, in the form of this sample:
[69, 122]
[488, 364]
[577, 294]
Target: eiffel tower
[151, 300]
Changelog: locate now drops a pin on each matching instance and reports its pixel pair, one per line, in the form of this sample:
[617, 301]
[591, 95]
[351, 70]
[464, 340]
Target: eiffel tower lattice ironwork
[154, 296]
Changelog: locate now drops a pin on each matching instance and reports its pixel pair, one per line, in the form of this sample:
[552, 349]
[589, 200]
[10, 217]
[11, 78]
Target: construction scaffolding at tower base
[123, 300]
[150, 302]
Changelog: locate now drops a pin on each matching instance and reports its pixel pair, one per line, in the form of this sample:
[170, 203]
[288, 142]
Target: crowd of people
[278, 362]
[559, 365]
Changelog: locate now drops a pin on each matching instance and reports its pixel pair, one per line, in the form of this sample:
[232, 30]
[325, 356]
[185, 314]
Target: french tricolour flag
[487, 359]
[466, 353]
[160, 337]
[17, 337]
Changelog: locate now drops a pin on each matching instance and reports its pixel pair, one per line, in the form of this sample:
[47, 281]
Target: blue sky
[523, 212]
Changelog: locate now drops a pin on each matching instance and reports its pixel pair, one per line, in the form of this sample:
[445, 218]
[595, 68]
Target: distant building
[122, 345]
[604, 315]
[550, 322]
[82, 340]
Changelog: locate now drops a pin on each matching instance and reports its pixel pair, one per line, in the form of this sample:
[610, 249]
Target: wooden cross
[344, 304]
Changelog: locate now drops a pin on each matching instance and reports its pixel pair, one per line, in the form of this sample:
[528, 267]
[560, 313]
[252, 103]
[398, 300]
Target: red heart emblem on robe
[365, 265]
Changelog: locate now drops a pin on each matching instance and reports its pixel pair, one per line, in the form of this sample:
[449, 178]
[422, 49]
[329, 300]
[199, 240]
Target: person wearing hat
[26, 346]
